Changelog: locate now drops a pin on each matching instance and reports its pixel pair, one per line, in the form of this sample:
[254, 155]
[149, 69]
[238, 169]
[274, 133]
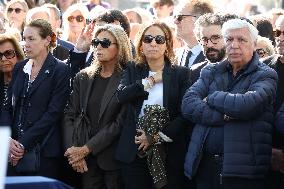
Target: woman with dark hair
[10, 53]
[37, 96]
[151, 85]
[93, 99]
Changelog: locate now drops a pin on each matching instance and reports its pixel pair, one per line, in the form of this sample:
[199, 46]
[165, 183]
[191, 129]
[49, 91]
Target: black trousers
[209, 176]
[97, 178]
[136, 175]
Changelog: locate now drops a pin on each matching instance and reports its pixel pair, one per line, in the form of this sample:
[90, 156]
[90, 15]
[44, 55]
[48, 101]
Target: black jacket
[131, 92]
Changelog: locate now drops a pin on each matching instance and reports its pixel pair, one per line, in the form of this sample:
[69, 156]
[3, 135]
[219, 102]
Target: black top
[94, 103]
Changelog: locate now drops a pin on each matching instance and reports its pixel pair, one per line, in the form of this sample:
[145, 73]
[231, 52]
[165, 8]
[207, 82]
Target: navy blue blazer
[131, 92]
[46, 101]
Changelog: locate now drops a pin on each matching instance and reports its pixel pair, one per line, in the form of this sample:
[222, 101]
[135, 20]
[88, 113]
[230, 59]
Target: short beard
[220, 56]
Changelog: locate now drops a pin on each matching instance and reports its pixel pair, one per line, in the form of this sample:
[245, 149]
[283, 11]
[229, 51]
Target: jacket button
[29, 104]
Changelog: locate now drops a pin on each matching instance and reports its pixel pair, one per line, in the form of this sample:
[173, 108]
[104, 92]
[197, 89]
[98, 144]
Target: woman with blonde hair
[15, 12]
[74, 20]
[94, 104]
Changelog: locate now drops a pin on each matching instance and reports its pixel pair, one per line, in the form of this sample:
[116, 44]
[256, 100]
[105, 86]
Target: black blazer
[105, 139]
[46, 101]
[131, 92]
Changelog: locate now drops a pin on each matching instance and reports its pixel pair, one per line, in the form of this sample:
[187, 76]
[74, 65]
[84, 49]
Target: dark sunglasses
[180, 17]
[261, 52]
[277, 33]
[8, 54]
[17, 10]
[214, 39]
[105, 43]
[158, 38]
[78, 18]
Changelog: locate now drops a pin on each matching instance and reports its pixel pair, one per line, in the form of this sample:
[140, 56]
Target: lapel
[110, 91]
[199, 58]
[86, 92]
[46, 70]
[20, 80]
[166, 83]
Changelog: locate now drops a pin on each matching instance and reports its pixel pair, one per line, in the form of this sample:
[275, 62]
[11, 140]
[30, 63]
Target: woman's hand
[142, 140]
[80, 166]
[75, 154]
[85, 38]
[16, 152]
[158, 77]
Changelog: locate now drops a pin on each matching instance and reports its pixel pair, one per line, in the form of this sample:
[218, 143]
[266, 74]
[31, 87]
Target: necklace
[35, 71]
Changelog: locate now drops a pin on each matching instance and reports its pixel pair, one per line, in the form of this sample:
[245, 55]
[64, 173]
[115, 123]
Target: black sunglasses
[158, 38]
[180, 17]
[277, 33]
[105, 43]
[8, 54]
[78, 18]
[17, 10]
[261, 52]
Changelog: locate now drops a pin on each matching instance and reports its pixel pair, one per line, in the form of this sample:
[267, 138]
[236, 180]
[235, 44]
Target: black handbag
[30, 163]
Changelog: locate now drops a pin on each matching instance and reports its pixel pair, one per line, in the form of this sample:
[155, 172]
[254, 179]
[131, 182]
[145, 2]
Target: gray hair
[206, 20]
[238, 24]
[35, 10]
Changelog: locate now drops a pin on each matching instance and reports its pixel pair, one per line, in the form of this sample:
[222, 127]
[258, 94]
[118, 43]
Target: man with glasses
[276, 61]
[186, 15]
[231, 104]
[208, 33]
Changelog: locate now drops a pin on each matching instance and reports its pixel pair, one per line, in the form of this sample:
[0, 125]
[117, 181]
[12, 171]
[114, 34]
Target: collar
[195, 50]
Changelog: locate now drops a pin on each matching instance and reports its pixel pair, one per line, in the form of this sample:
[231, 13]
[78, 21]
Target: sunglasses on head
[277, 33]
[78, 18]
[105, 43]
[180, 17]
[158, 38]
[8, 54]
[17, 10]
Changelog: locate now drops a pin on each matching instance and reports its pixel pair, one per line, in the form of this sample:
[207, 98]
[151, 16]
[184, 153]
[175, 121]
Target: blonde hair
[268, 44]
[23, 3]
[123, 44]
[5, 37]
[75, 7]
[169, 53]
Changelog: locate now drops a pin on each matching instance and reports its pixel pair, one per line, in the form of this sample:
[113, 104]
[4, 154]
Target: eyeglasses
[158, 38]
[105, 43]
[214, 39]
[261, 52]
[180, 17]
[78, 18]
[17, 10]
[277, 33]
[8, 54]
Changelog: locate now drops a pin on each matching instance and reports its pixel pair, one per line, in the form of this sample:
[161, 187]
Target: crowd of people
[179, 96]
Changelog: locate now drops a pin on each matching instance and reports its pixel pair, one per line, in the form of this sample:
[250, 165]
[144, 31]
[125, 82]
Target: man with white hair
[231, 105]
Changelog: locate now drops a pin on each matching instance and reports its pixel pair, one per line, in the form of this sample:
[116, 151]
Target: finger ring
[11, 155]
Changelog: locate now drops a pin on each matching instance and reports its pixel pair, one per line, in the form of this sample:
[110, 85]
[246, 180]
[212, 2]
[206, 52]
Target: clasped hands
[16, 152]
[76, 158]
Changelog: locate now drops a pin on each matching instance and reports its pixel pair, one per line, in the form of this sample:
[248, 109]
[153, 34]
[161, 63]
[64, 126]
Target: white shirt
[155, 95]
